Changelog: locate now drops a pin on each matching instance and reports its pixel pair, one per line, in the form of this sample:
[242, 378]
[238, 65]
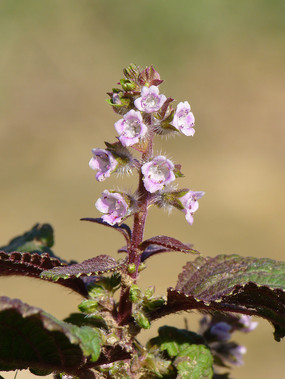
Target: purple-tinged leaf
[152, 250]
[33, 264]
[93, 266]
[32, 338]
[232, 283]
[161, 244]
[123, 228]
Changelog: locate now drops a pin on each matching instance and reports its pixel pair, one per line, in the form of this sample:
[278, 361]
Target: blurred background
[59, 58]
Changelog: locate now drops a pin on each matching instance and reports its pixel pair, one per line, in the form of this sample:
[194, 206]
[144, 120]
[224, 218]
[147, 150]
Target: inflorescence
[145, 113]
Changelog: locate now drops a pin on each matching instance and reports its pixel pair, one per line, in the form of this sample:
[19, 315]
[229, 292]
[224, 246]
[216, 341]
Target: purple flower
[150, 100]
[230, 352]
[221, 331]
[247, 324]
[190, 204]
[104, 162]
[113, 205]
[183, 119]
[235, 354]
[131, 128]
[157, 173]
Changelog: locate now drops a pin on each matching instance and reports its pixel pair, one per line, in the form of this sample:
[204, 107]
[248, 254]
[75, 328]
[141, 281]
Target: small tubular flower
[247, 324]
[157, 173]
[233, 353]
[103, 162]
[190, 204]
[131, 128]
[114, 205]
[221, 331]
[183, 119]
[150, 100]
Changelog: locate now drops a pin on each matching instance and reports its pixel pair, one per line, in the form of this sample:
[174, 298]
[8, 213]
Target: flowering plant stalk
[100, 341]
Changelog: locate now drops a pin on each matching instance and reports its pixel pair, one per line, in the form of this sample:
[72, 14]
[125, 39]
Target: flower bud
[88, 306]
[135, 294]
[141, 319]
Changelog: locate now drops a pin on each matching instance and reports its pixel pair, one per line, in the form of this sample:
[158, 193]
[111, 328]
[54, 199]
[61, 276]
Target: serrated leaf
[232, 284]
[32, 265]
[32, 338]
[161, 244]
[93, 266]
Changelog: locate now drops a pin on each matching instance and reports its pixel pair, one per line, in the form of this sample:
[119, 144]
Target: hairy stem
[125, 305]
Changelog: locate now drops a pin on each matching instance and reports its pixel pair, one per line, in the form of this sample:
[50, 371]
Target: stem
[125, 305]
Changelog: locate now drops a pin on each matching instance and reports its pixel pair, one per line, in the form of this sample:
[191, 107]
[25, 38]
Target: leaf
[161, 244]
[232, 284]
[32, 338]
[190, 356]
[195, 362]
[32, 265]
[93, 266]
[38, 239]
[123, 228]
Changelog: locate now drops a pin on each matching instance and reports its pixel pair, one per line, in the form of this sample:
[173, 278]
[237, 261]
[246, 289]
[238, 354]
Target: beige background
[59, 58]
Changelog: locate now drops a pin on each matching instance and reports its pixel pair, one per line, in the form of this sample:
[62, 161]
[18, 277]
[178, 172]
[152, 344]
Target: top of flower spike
[145, 112]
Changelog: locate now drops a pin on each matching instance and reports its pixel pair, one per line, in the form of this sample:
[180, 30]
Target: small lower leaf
[195, 362]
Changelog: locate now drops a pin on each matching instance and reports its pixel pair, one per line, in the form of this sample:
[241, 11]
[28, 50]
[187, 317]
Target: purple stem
[125, 305]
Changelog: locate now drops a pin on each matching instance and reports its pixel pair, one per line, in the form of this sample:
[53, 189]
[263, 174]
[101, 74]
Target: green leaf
[174, 340]
[32, 338]
[38, 239]
[195, 362]
[231, 284]
[191, 357]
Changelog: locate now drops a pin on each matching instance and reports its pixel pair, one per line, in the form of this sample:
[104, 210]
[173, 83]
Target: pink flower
[157, 173]
[113, 205]
[190, 204]
[183, 119]
[104, 162]
[131, 128]
[150, 100]
[247, 324]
